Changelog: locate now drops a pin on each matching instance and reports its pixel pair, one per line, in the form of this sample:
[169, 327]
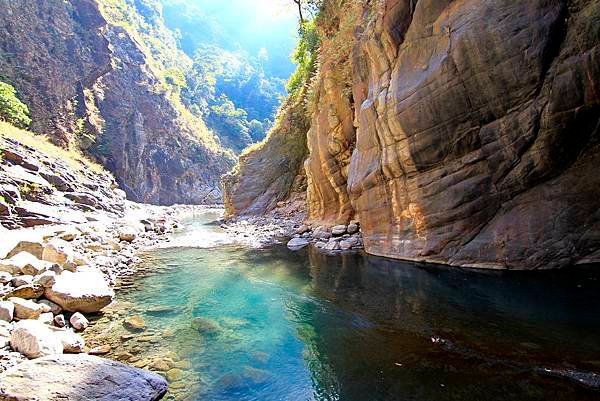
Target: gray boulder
[79, 378]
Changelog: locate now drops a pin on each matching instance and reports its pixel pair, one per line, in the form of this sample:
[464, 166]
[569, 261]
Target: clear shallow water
[269, 324]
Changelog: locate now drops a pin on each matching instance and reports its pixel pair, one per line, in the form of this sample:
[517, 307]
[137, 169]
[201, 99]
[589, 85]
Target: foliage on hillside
[226, 89]
[11, 108]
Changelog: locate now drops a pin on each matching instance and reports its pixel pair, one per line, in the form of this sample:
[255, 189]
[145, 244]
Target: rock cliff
[90, 83]
[466, 133]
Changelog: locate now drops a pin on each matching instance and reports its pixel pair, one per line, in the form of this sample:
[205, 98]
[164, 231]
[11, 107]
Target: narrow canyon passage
[228, 322]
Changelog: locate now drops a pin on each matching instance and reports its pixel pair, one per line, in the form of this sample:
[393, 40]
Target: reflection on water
[269, 324]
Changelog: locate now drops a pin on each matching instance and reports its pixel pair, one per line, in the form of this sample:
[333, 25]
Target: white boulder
[78, 321]
[34, 339]
[84, 291]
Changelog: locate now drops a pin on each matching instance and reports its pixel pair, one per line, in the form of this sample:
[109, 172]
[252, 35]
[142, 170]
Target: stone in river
[206, 326]
[100, 350]
[135, 323]
[80, 378]
[174, 374]
[83, 291]
[297, 243]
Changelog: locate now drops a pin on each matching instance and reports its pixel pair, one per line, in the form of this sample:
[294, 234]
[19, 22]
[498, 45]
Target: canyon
[459, 132]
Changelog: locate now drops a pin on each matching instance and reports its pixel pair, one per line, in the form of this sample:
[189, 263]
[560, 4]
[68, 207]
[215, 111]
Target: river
[229, 322]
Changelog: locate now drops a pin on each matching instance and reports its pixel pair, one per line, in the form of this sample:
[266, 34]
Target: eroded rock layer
[475, 137]
[89, 83]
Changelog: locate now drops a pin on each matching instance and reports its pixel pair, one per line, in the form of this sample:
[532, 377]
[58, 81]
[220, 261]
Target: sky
[255, 26]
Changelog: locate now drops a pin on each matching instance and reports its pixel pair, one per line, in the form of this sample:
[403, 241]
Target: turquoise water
[269, 324]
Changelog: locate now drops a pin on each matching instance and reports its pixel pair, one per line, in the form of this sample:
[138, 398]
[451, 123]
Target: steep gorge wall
[475, 138]
[85, 78]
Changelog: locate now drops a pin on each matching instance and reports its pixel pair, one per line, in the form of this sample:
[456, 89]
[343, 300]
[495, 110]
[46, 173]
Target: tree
[11, 108]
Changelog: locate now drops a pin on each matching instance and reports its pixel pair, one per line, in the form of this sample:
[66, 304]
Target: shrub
[12, 110]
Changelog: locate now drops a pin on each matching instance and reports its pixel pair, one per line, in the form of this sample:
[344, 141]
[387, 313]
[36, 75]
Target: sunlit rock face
[478, 139]
[471, 133]
[85, 78]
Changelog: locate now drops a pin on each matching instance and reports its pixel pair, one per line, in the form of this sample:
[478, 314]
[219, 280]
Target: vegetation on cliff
[12, 109]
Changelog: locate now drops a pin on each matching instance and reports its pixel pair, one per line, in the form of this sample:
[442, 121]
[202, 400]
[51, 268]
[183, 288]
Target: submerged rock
[79, 378]
[135, 323]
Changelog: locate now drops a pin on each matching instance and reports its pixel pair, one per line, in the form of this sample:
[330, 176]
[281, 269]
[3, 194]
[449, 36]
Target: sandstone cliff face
[86, 78]
[476, 129]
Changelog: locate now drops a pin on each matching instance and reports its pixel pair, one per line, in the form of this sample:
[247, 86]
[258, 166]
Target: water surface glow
[269, 324]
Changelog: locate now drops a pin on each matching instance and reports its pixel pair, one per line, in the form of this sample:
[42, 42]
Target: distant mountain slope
[101, 76]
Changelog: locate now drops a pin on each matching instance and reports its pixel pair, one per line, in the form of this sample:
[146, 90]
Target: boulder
[297, 243]
[7, 311]
[59, 321]
[352, 228]
[332, 246]
[302, 229]
[72, 343]
[79, 322]
[339, 230]
[26, 309]
[46, 279]
[127, 234]
[46, 318]
[80, 378]
[51, 306]
[33, 245]
[26, 263]
[58, 251]
[22, 280]
[34, 339]
[27, 291]
[8, 266]
[84, 291]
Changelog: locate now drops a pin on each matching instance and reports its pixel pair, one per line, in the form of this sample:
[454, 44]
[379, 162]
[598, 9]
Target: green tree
[11, 108]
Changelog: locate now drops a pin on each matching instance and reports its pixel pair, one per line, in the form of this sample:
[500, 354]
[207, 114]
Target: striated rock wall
[89, 84]
[475, 138]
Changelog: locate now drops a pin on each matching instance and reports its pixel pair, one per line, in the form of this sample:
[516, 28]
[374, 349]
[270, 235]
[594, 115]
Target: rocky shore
[68, 234]
[265, 230]
[55, 278]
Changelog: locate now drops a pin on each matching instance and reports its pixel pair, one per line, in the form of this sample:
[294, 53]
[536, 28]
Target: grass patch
[73, 157]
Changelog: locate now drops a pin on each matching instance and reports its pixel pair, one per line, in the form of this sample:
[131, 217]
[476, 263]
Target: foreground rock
[79, 378]
[84, 291]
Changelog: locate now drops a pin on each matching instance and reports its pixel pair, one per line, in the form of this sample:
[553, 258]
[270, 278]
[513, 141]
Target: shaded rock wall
[271, 171]
[476, 129]
[88, 83]
[50, 50]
